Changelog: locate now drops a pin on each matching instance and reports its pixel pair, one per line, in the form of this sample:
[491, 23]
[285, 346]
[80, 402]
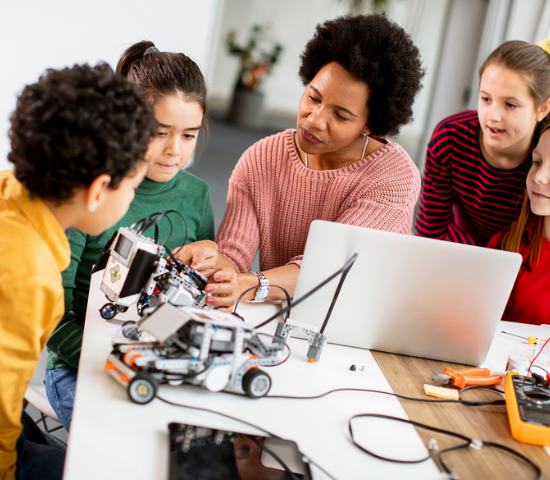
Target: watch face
[261, 294]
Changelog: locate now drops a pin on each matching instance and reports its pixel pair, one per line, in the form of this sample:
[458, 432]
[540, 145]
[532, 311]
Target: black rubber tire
[142, 388]
[108, 311]
[256, 383]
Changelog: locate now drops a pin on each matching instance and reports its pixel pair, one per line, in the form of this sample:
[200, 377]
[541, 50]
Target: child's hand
[201, 256]
[223, 289]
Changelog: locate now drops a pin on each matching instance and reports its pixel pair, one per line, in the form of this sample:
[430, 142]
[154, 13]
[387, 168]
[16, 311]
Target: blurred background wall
[37, 34]
[454, 36]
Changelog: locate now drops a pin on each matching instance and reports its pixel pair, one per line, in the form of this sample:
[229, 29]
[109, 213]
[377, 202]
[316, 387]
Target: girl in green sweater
[174, 85]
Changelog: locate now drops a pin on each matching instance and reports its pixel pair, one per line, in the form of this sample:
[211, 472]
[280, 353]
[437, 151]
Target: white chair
[36, 396]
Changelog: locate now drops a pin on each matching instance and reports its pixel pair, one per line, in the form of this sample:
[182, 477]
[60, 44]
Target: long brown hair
[162, 74]
[528, 223]
[532, 63]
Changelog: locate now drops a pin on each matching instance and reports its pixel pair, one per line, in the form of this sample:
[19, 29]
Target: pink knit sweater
[273, 198]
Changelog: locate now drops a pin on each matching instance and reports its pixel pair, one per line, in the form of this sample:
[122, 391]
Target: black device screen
[198, 453]
[533, 400]
[123, 246]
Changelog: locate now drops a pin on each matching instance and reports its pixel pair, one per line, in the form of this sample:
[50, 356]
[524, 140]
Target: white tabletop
[113, 438]
[504, 345]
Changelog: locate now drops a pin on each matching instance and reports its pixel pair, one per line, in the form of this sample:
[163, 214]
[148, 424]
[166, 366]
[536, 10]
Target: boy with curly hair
[79, 138]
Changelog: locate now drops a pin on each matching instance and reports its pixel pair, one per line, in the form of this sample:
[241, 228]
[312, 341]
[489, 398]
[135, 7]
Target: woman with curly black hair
[361, 75]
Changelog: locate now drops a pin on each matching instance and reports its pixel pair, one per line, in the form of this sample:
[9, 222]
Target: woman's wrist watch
[262, 292]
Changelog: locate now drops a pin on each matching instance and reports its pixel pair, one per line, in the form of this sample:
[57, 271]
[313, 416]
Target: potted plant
[257, 58]
[359, 6]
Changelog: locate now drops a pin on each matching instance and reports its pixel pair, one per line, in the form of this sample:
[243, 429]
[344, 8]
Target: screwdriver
[531, 340]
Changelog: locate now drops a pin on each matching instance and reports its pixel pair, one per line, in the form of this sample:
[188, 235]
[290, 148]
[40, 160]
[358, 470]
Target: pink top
[273, 198]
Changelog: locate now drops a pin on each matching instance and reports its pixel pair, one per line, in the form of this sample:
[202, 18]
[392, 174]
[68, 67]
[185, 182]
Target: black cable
[402, 397]
[136, 223]
[499, 447]
[275, 456]
[156, 217]
[337, 293]
[255, 288]
[414, 399]
[345, 268]
[169, 233]
[538, 366]
[469, 442]
[470, 403]
[240, 421]
[177, 262]
[146, 223]
[398, 419]
[484, 387]
[141, 221]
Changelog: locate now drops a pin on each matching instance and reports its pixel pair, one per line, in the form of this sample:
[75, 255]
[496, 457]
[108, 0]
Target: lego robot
[184, 341]
[203, 347]
[136, 272]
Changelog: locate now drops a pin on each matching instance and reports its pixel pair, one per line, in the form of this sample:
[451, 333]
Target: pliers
[466, 377]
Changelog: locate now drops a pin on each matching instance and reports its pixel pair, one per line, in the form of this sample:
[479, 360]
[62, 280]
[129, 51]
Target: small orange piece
[124, 378]
[311, 360]
[130, 357]
[109, 366]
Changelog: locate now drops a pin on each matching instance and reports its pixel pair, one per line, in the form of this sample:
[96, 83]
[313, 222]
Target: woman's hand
[223, 289]
[201, 256]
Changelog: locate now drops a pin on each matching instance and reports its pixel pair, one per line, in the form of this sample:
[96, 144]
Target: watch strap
[262, 291]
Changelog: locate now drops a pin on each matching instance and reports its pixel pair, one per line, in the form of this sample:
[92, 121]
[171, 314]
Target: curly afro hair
[376, 51]
[74, 125]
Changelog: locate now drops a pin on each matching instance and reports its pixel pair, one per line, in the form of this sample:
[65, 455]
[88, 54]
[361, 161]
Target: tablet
[200, 453]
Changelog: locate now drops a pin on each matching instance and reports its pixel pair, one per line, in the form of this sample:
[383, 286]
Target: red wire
[540, 351]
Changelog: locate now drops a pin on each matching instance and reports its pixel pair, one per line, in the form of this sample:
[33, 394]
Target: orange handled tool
[466, 377]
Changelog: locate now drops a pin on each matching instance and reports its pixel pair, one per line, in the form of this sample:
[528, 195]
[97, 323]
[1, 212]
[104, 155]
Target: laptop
[405, 294]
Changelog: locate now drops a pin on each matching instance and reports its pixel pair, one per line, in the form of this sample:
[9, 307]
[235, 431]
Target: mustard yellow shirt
[33, 251]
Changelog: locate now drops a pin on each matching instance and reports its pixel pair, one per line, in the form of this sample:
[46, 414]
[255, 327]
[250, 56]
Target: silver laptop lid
[405, 294]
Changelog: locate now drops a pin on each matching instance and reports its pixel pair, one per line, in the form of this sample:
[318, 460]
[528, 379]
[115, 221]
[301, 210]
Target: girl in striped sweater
[477, 162]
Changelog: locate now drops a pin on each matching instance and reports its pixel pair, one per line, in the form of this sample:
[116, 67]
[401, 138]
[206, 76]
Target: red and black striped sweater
[463, 198]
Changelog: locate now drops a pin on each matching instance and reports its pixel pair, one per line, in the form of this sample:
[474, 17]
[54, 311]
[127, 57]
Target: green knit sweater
[185, 193]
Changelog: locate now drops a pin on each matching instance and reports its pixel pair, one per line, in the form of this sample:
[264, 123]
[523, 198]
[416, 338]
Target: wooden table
[407, 376]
